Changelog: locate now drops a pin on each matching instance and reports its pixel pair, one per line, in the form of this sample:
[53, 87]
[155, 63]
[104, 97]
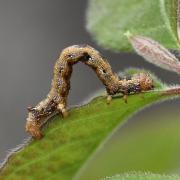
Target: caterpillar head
[145, 81]
[32, 125]
[34, 129]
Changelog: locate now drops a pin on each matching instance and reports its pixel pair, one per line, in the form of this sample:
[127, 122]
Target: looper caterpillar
[56, 99]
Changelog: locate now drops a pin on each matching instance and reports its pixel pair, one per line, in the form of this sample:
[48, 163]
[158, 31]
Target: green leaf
[109, 20]
[143, 176]
[148, 143]
[68, 143]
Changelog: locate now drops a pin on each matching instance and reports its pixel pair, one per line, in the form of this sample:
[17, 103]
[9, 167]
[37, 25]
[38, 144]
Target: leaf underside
[109, 20]
[68, 143]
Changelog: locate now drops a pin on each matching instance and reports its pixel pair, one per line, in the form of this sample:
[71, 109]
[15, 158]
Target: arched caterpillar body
[56, 99]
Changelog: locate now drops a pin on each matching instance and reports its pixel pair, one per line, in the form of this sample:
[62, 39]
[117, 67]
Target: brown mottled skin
[56, 99]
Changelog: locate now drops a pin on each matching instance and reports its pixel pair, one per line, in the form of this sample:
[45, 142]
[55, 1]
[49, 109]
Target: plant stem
[171, 91]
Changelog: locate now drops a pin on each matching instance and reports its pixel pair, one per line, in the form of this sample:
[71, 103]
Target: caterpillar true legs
[56, 100]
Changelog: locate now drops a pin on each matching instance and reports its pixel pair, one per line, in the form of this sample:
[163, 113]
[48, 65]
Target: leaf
[68, 143]
[143, 176]
[154, 52]
[148, 143]
[109, 20]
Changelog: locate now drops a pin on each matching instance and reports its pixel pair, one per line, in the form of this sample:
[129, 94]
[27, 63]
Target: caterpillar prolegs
[56, 99]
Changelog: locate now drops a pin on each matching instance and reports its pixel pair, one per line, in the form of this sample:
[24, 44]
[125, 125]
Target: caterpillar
[56, 100]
